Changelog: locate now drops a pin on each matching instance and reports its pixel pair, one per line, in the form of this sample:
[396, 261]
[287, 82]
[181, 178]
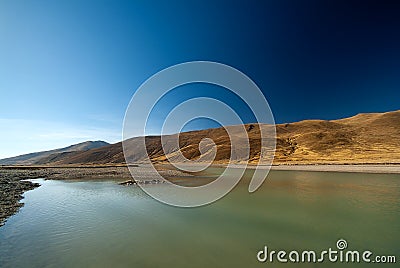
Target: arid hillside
[364, 138]
[32, 158]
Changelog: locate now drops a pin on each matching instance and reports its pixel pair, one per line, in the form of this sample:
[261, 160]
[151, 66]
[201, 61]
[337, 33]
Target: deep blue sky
[69, 68]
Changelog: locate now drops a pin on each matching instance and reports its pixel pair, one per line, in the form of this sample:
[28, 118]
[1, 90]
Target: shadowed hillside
[364, 138]
[49, 156]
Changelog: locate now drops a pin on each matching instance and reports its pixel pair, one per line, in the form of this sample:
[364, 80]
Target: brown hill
[47, 156]
[364, 138]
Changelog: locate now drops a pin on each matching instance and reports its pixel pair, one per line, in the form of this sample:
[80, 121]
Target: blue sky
[69, 68]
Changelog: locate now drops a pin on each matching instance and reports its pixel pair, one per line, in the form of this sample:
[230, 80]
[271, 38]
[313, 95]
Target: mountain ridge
[32, 158]
[363, 138]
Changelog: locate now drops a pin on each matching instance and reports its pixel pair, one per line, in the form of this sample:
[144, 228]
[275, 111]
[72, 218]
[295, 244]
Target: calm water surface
[103, 224]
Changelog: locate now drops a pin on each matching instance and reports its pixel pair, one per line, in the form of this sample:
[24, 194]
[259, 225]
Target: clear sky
[69, 68]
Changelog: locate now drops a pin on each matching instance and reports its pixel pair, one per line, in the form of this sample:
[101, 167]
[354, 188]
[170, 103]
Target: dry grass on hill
[364, 138]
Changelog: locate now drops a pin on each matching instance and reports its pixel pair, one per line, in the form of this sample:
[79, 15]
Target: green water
[102, 224]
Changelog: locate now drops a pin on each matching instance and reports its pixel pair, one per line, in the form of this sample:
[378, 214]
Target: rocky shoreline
[12, 187]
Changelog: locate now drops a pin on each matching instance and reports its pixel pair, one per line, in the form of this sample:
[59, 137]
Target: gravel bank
[11, 189]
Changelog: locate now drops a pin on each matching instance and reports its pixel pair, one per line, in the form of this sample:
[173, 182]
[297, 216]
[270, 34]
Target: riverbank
[362, 168]
[359, 168]
[12, 187]
[13, 180]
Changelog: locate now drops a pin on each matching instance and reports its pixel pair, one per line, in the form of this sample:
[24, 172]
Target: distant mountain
[38, 157]
[364, 138]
